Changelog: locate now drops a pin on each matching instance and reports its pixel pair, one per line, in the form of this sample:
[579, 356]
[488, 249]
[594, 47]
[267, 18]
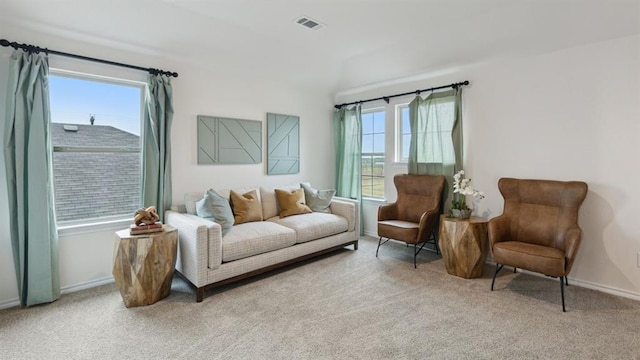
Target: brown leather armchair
[538, 230]
[413, 218]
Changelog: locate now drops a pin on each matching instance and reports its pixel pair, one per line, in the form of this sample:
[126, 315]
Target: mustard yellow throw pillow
[246, 207]
[291, 202]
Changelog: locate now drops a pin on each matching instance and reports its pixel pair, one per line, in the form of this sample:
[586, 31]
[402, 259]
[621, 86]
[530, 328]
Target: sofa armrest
[388, 211]
[498, 230]
[199, 245]
[349, 209]
[572, 239]
[429, 222]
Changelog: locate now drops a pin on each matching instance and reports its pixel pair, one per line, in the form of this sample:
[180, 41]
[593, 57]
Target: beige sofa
[206, 259]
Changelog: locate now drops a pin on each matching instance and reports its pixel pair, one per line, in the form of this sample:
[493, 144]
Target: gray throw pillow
[317, 200]
[216, 207]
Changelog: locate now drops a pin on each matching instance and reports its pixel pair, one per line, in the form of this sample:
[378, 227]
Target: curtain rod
[36, 49]
[417, 92]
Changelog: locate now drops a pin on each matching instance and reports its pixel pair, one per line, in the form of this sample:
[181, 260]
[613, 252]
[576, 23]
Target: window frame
[399, 143]
[79, 226]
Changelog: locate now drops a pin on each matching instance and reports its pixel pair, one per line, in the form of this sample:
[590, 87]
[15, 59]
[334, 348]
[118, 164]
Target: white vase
[461, 214]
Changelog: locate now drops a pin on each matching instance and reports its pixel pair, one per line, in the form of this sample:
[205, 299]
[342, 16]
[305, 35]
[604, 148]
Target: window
[95, 134]
[373, 124]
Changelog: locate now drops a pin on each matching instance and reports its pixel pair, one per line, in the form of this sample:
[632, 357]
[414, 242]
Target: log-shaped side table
[463, 243]
[143, 265]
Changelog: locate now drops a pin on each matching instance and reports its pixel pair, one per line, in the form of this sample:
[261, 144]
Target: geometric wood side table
[463, 243]
[143, 265]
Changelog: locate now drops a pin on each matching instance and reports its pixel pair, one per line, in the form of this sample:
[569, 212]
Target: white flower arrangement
[462, 186]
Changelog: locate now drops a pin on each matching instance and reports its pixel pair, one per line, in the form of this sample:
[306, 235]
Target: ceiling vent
[310, 23]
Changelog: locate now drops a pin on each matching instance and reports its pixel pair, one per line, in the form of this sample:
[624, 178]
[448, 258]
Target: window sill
[93, 227]
[374, 201]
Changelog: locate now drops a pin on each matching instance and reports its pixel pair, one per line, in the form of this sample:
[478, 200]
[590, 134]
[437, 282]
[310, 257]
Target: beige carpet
[348, 305]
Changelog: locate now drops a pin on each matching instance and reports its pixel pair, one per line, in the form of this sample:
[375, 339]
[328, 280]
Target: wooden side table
[143, 265]
[463, 243]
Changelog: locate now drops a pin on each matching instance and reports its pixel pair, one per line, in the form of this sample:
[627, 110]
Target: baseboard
[9, 303]
[370, 233]
[582, 283]
[65, 290]
[585, 284]
[605, 289]
[87, 285]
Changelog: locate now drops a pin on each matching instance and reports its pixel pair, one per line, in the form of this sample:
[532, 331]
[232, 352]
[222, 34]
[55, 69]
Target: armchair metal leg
[415, 253]
[415, 250]
[566, 281]
[380, 242]
[562, 292]
[435, 243]
[498, 268]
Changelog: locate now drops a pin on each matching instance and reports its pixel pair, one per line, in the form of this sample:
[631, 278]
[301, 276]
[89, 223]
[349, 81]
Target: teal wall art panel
[229, 141]
[283, 144]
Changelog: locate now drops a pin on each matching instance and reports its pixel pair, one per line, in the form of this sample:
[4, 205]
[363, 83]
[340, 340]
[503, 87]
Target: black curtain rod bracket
[36, 50]
[417, 92]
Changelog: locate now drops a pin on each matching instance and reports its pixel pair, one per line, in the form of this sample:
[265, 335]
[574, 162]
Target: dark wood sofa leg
[355, 245]
[199, 294]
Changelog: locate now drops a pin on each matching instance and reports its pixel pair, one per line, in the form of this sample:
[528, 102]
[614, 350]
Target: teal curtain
[28, 162]
[348, 140]
[436, 136]
[156, 144]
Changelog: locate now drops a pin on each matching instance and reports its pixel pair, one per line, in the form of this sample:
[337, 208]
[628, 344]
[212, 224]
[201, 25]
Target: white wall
[571, 114]
[567, 115]
[201, 89]
[248, 99]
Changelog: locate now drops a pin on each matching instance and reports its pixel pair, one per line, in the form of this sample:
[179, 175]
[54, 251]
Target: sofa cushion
[190, 200]
[317, 200]
[246, 207]
[314, 225]
[216, 208]
[255, 238]
[269, 201]
[291, 202]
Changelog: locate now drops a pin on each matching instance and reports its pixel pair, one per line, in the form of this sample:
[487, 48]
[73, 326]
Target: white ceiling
[365, 41]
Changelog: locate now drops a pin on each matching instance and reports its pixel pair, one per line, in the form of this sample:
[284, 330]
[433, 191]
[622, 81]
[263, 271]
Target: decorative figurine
[147, 216]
